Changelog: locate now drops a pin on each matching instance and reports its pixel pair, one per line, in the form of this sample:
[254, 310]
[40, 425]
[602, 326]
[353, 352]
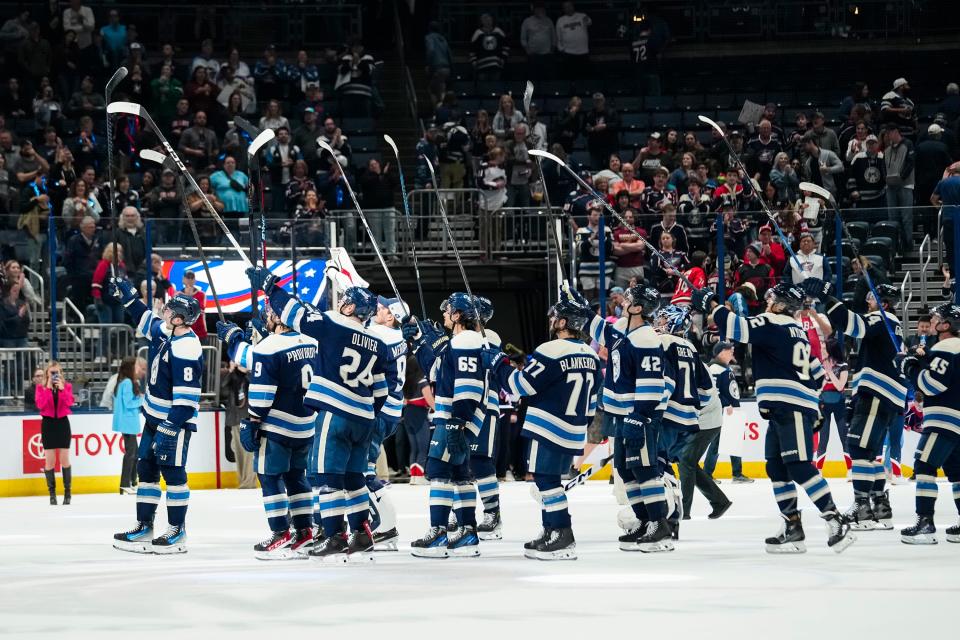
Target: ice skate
[464, 543]
[360, 541]
[330, 550]
[386, 540]
[491, 528]
[860, 516]
[529, 547]
[882, 513]
[953, 533]
[137, 540]
[276, 547]
[790, 539]
[432, 545]
[302, 541]
[923, 532]
[173, 540]
[629, 541]
[838, 531]
[657, 537]
[559, 545]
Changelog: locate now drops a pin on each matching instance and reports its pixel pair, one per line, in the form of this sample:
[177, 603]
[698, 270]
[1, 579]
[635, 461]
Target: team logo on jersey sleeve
[734, 389]
[616, 365]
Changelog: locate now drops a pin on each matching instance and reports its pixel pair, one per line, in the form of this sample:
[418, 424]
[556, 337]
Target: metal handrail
[923, 268]
[35, 323]
[14, 375]
[905, 304]
[940, 238]
[68, 304]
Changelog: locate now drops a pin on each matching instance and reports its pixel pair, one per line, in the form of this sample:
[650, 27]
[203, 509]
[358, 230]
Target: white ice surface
[60, 578]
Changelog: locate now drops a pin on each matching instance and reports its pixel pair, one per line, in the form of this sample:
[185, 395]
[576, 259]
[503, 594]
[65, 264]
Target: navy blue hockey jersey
[282, 369]
[392, 408]
[788, 376]
[940, 382]
[726, 384]
[693, 385]
[176, 366]
[460, 381]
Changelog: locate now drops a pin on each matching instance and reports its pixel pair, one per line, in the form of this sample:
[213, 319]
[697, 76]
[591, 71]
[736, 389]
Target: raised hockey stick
[763, 205]
[134, 109]
[363, 218]
[409, 219]
[167, 163]
[527, 100]
[820, 192]
[115, 80]
[456, 252]
[606, 205]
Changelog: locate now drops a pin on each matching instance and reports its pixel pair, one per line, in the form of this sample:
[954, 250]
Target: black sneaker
[719, 511]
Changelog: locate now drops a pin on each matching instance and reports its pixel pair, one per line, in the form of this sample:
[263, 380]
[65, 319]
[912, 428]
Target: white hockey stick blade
[430, 166]
[153, 156]
[710, 122]
[265, 136]
[527, 97]
[125, 107]
[393, 145]
[547, 155]
[816, 190]
[117, 78]
[323, 144]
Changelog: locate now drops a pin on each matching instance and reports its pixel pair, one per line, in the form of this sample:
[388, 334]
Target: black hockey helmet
[888, 294]
[363, 301]
[790, 295]
[948, 313]
[647, 298]
[184, 307]
[578, 316]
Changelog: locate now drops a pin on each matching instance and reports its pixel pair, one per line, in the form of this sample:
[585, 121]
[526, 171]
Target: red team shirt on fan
[682, 293]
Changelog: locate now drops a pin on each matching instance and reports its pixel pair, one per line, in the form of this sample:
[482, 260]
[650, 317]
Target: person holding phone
[54, 399]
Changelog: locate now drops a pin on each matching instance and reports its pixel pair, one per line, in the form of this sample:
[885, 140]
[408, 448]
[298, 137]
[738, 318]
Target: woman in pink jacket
[54, 399]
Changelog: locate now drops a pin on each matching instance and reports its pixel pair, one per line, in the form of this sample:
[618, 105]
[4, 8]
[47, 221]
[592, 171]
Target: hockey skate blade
[791, 548]
[883, 525]
[848, 540]
[629, 546]
[923, 539]
[386, 545]
[281, 554]
[345, 559]
[496, 534]
[657, 547]
[563, 554]
[145, 548]
[953, 537]
[170, 550]
[431, 553]
[470, 551]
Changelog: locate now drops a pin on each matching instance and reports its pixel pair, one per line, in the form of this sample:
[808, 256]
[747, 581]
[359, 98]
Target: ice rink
[62, 579]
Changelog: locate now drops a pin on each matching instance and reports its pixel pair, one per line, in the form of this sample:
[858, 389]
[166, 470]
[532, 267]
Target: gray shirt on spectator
[538, 35]
[899, 160]
[200, 138]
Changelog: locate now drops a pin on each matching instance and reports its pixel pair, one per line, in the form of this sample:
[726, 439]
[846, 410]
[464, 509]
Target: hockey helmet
[647, 298]
[485, 308]
[364, 302]
[673, 319]
[888, 293]
[578, 317]
[791, 296]
[184, 307]
[462, 302]
[948, 313]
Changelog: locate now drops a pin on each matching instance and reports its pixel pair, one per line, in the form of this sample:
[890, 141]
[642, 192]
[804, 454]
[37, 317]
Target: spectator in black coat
[81, 256]
[932, 156]
[603, 131]
[378, 185]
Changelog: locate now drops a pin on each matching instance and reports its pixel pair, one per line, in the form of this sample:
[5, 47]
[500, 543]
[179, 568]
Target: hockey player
[879, 397]
[391, 312]
[561, 382]
[170, 408]
[459, 376]
[636, 386]
[693, 406]
[279, 430]
[788, 381]
[937, 376]
[352, 376]
[483, 453]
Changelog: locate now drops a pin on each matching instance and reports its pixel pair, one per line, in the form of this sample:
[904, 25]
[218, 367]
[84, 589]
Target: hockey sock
[148, 497]
[879, 479]
[956, 495]
[466, 500]
[357, 500]
[556, 515]
[784, 490]
[635, 500]
[863, 477]
[653, 491]
[488, 488]
[178, 494]
[332, 503]
[926, 487]
[275, 502]
[441, 501]
[300, 498]
[805, 474]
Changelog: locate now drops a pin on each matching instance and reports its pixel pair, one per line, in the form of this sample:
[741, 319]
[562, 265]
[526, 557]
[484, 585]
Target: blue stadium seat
[658, 103]
[357, 125]
[667, 120]
[635, 121]
[690, 102]
[720, 100]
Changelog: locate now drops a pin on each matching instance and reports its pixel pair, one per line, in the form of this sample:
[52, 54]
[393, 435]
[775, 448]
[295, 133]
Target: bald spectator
[762, 150]
[199, 143]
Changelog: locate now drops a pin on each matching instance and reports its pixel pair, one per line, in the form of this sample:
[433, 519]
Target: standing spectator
[611, 175]
[950, 107]
[8, 188]
[237, 95]
[269, 74]
[785, 178]
[652, 158]
[630, 184]
[86, 101]
[36, 58]
[602, 126]
[573, 42]
[656, 197]
[538, 37]
[281, 157]
[858, 142]
[301, 75]
[492, 182]
[240, 68]
[761, 151]
[588, 242]
[54, 399]
[305, 137]
[199, 144]
[455, 157]
[898, 110]
[809, 263]
[80, 205]
[868, 171]
[109, 309]
[180, 121]
[859, 96]
[114, 37]
[30, 391]
[900, 160]
[630, 251]
[439, 61]
[355, 81]
[127, 401]
[125, 196]
[14, 319]
[771, 252]
[947, 195]
[932, 158]
[506, 118]
[377, 185]
[202, 93]
[520, 170]
[206, 59]
[824, 137]
[132, 241]
[668, 224]
[427, 150]
[166, 91]
[832, 402]
[823, 165]
[273, 118]
[682, 295]
[233, 397]
[190, 288]
[164, 204]
[230, 186]
[489, 49]
[334, 137]
[734, 228]
[79, 19]
[82, 252]
[664, 277]
[694, 209]
[30, 164]
[299, 184]
[206, 227]
[760, 275]
[570, 124]
[14, 101]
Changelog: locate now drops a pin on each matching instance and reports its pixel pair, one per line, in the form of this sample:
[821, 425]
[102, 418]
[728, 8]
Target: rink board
[97, 452]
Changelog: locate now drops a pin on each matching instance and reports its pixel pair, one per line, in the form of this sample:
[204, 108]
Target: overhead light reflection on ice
[607, 579]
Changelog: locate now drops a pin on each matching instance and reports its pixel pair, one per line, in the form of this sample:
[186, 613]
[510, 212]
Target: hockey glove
[908, 365]
[261, 279]
[165, 443]
[575, 296]
[123, 290]
[456, 440]
[411, 331]
[634, 432]
[492, 359]
[228, 332]
[256, 326]
[816, 288]
[703, 300]
[249, 436]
